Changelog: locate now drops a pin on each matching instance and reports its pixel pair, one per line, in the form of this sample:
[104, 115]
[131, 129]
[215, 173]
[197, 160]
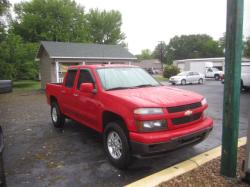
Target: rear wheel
[57, 117]
[116, 145]
[183, 82]
[242, 87]
[200, 81]
[217, 77]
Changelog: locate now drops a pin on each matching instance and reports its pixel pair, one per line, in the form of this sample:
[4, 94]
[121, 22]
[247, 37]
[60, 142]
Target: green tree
[4, 7]
[105, 26]
[18, 58]
[145, 54]
[192, 46]
[247, 47]
[160, 52]
[55, 20]
[170, 70]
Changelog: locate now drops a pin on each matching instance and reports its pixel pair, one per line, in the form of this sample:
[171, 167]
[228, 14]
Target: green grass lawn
[26, 85]
[160, 78]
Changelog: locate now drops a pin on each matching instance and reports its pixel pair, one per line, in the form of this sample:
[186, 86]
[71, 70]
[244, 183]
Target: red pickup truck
[136, 114]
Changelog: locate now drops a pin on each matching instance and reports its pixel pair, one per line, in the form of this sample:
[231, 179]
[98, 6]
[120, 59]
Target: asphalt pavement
[36, 154]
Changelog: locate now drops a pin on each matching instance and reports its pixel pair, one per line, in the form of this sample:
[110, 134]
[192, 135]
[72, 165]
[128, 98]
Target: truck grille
[186, 119]
[183, 107]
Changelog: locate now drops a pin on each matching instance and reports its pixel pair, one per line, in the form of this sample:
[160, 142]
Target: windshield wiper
[118, 88]
[144, 85]
[123, 88]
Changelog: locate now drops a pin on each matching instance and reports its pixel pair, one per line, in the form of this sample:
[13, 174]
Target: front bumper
[174, 81]
[173, 140]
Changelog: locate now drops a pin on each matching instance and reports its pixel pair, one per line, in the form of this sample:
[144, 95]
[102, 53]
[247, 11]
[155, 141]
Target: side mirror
[87, 87]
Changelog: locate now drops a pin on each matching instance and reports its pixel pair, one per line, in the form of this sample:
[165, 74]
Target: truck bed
[53, 89]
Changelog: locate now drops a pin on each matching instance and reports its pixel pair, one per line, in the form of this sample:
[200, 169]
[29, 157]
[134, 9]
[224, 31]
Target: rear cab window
[70, 79]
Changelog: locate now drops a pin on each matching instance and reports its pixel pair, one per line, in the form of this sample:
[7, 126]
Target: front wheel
[57, 117]
[116, 145]
[183, 82]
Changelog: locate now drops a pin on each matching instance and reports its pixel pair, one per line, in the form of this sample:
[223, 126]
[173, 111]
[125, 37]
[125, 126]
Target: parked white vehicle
[187, 77]
[245, 75]
[212, 72]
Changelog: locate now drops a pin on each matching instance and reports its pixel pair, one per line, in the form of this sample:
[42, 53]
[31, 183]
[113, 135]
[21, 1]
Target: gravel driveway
[38, 155]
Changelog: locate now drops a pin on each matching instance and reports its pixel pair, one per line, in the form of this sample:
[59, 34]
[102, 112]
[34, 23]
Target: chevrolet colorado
[136, 114]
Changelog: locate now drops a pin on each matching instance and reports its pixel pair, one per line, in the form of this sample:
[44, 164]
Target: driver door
[209, 72]
[87, 105]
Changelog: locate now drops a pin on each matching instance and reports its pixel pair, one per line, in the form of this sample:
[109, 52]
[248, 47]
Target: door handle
[63, 91]
[75, 94]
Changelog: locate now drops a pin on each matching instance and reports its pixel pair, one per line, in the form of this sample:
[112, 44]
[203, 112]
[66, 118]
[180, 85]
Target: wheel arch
[52, 99]
[108, 116]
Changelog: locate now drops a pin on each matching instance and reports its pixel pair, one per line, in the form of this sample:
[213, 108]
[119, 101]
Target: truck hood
[162, 96]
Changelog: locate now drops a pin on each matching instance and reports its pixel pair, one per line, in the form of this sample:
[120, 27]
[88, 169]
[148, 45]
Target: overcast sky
[146, 22]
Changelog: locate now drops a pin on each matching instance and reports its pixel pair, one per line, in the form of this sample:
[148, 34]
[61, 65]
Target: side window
[84, 77]
[69, 83]
[190, 73]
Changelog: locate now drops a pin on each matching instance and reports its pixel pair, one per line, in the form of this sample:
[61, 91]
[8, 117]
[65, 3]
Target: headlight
[143, 111]
[203, 101]
[150, 126]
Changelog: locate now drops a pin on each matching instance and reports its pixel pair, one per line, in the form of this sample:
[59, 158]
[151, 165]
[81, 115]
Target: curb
[182, 167]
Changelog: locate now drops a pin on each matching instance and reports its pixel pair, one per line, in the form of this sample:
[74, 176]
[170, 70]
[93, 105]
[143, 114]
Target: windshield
[125, 77]
[183, 73]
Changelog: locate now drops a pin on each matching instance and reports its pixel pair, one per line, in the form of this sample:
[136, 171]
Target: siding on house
[45, 69]
[148, 64]
[188, 64]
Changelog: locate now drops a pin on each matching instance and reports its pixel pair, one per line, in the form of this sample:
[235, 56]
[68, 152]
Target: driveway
[36, 154]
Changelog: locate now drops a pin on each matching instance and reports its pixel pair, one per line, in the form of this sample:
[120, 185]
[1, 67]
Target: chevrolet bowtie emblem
[188, 113]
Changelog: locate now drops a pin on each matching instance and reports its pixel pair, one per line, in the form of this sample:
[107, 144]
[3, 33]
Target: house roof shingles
[80, 50]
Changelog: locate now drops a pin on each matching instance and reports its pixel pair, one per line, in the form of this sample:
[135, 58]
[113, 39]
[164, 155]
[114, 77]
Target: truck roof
[94, 66]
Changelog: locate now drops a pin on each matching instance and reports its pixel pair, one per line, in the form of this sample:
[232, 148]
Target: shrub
[170, 70]
[7, 71]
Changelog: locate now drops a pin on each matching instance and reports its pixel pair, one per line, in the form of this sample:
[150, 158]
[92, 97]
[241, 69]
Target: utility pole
[161, 53]
[232, 87]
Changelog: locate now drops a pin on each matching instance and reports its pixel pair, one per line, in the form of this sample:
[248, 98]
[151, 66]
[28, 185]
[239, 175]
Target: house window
[63, 67]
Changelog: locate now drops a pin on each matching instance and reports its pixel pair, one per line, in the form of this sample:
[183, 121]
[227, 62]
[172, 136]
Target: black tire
[216, 77]
[242, 87]
[183, 82]
[124, 160]
[59, 121]
[200, 81]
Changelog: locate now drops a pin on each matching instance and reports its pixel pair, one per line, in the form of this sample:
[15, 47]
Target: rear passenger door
[190, 77]
[196, 77]
[68, 94]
